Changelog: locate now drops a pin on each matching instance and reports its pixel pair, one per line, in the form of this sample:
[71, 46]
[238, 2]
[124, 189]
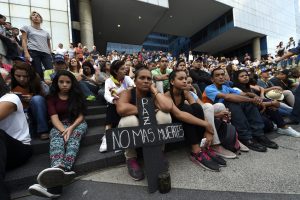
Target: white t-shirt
[61, 51]
[109, 84]
[15, 125]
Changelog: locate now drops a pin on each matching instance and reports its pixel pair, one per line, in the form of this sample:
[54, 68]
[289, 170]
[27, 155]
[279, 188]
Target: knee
[163, 118]
[218, 107]
[128, 121]
[37, 99]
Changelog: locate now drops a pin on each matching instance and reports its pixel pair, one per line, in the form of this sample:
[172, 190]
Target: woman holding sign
[127, 109]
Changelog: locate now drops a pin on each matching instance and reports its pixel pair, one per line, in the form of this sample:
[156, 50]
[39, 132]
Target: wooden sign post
[148, 135]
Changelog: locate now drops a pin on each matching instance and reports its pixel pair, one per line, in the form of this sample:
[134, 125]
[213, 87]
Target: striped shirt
[37, 39]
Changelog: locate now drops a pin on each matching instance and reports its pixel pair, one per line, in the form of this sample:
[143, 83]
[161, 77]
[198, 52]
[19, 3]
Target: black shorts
[112, 117]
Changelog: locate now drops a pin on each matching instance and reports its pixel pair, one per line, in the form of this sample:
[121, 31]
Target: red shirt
[58, 106]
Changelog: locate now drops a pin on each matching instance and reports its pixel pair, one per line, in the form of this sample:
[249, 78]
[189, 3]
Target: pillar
[256, 48]
[86, 23]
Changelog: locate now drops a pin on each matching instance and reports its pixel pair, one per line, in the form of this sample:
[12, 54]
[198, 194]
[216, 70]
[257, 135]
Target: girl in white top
[117, 82]
[15, 147]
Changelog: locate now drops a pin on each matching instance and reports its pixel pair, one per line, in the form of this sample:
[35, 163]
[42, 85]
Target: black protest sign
[148, 135]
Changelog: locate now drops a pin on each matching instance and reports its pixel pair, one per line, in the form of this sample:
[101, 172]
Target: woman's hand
[153, 89]
[67, 132]
[209, 139]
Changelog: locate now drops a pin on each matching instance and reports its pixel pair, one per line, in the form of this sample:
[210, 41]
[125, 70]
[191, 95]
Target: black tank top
[133, 96]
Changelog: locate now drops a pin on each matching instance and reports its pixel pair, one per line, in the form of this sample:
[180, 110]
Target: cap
[285, 71]
[59, 58]
[275, 95]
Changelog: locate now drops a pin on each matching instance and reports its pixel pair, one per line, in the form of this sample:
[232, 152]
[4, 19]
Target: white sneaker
[288, 131]
[243, 147]
[40, 191]
[221, 151]
[103, 146]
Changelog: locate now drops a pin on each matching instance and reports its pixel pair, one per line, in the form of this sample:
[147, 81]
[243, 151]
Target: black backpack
[228, 135]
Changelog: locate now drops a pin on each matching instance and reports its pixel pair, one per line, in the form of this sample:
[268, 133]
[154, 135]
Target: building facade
[55, 13]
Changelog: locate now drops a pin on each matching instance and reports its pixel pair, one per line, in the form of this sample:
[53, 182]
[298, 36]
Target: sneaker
[103, 146]
[40, 191]
[221, 151]
[288, 131]
[243, 147]
[204, 161]
[253, 145]
[91, 98]
[134, 169]
[218, 159]
[263, 140]
[53, 177]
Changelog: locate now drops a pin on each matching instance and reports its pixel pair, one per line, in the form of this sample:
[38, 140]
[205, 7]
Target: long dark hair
[34, 81]
[172, 77]
[76, 102]
[245, 87]
[3, 87]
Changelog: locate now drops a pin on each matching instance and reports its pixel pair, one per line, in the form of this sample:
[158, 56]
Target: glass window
[59, 5]
[60, 34]
[4, 10]
[19, 22]
[43, 12]
[19, 11]
[3, 0]
[59, 16]
[40, 3]
[21, 2]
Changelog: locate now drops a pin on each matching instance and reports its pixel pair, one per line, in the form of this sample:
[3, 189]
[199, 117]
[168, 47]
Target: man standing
[161, 75]
[245, 115]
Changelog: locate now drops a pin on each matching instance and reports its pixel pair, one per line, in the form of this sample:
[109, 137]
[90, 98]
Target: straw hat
[275, 95]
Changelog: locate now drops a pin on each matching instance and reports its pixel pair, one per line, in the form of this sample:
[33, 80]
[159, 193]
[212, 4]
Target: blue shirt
[295, 50]
[212, 92]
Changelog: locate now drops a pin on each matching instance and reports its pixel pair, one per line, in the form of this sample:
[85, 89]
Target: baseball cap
[285, 71]
[58, 58]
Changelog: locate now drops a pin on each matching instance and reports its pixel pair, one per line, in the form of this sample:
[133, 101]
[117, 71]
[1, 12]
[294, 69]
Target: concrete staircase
[89, 158]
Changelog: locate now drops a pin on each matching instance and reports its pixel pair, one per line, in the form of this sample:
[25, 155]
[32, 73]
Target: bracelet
[156, 94]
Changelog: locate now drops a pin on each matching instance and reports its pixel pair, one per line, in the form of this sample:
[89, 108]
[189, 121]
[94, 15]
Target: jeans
[13, 153]
[296, 109]
[38, 114]
[246, 119]
[285, 110]
[39, 58]
[85, 89]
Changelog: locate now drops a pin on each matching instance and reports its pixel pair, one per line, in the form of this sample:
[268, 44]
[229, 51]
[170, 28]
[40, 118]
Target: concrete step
[94, 110]
[89, 159]
[93, 136]
[95, 120]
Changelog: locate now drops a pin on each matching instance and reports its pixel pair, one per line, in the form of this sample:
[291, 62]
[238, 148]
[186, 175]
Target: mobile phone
[203, 141]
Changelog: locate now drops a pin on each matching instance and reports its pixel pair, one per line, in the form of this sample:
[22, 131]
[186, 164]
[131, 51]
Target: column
[86, 23]
[256, 48]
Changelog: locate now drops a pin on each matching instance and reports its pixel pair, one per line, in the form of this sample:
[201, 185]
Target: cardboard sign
[148, 135]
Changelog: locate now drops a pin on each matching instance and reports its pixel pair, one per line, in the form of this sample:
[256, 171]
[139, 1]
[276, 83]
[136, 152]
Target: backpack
[228, 135]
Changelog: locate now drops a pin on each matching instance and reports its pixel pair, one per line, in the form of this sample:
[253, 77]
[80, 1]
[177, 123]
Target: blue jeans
[38, 114]
[246, 119]
[296, 109]
[85, 89]
[39, 58]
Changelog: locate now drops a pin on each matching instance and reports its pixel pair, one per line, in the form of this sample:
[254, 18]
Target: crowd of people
[225, 105]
